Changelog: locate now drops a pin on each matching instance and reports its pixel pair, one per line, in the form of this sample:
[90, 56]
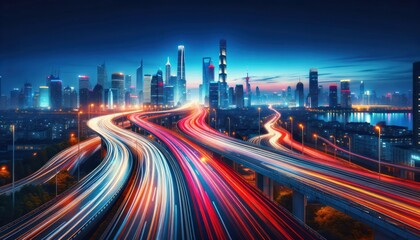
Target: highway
[156, 201]
[64, 160]
[277, 137]
[74, 211]
[225, 206]
[392, 202]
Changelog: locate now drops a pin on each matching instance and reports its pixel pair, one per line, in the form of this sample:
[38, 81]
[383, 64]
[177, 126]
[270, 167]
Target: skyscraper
[117, 84]
[239, 95]
[146, 88]
[127, 82]
[362, 92]
[299, 96]
[181, 90]
[214, 95]
[167, 72]
[14, 98]
[110, 101]
[157, 89]
[248, 93]
[102, 76]
[231, 96]
[416, 104]
[223, 94]
[27, 92]
[67, 100]
[207, 78]
[56, 94]
[345, 93]
[139, 82]
[44, 97]
[333, 102]
[97, 95]
[258, 95]
[168, 92]
[84, 92]
[289, 94]
[313, 88]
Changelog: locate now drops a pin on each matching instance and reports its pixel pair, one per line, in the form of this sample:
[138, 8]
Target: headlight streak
[156, 204]
[394, 199]
[66, 218]
[64, 160]
[225, 205]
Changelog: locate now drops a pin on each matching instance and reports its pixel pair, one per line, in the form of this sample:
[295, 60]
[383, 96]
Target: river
[398, 119]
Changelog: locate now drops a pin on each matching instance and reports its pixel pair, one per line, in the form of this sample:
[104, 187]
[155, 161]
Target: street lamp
[348, 137]
[90, 108]
[379, 149]
[229, 125]
[78, 145]
[316, 140]
[335, 146]
[325, 145]
[291, 132]
[259, 125]
[301, 126]
[13, 168]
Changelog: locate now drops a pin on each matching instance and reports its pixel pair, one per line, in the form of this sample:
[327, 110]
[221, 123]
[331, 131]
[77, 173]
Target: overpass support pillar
[265, 184]
[299, 205]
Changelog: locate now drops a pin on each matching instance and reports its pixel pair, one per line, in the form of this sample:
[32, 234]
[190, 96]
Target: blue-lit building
[299, 95]
[56, 94]
[168, 92]
[333, 102]
[139, 83]
[223, 88]
[239, 96]
[214, 95]
[117, 84]
[27, 92]
[313, 88]
[156, 88]
[181, 88]
[44, 97]
[208, 76]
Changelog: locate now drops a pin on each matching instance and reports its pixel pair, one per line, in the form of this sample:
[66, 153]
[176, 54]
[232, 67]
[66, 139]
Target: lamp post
[90, 108]
[301, 127]
[379, 150]
[259, 125]
[335, 146]
[13, 168]
[348, 137]
[316, 140]
[325, 145]
[291, 133]
[229, 125]
[78, 145]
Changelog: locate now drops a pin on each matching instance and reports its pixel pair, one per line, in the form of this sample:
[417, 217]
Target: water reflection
[399, 119]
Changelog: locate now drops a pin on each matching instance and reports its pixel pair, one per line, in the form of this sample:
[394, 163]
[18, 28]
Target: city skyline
[275, 58]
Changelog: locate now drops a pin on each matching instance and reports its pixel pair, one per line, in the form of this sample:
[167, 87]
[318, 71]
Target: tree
[334, 224]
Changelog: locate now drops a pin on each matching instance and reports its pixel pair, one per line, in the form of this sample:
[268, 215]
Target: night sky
[276, 42]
